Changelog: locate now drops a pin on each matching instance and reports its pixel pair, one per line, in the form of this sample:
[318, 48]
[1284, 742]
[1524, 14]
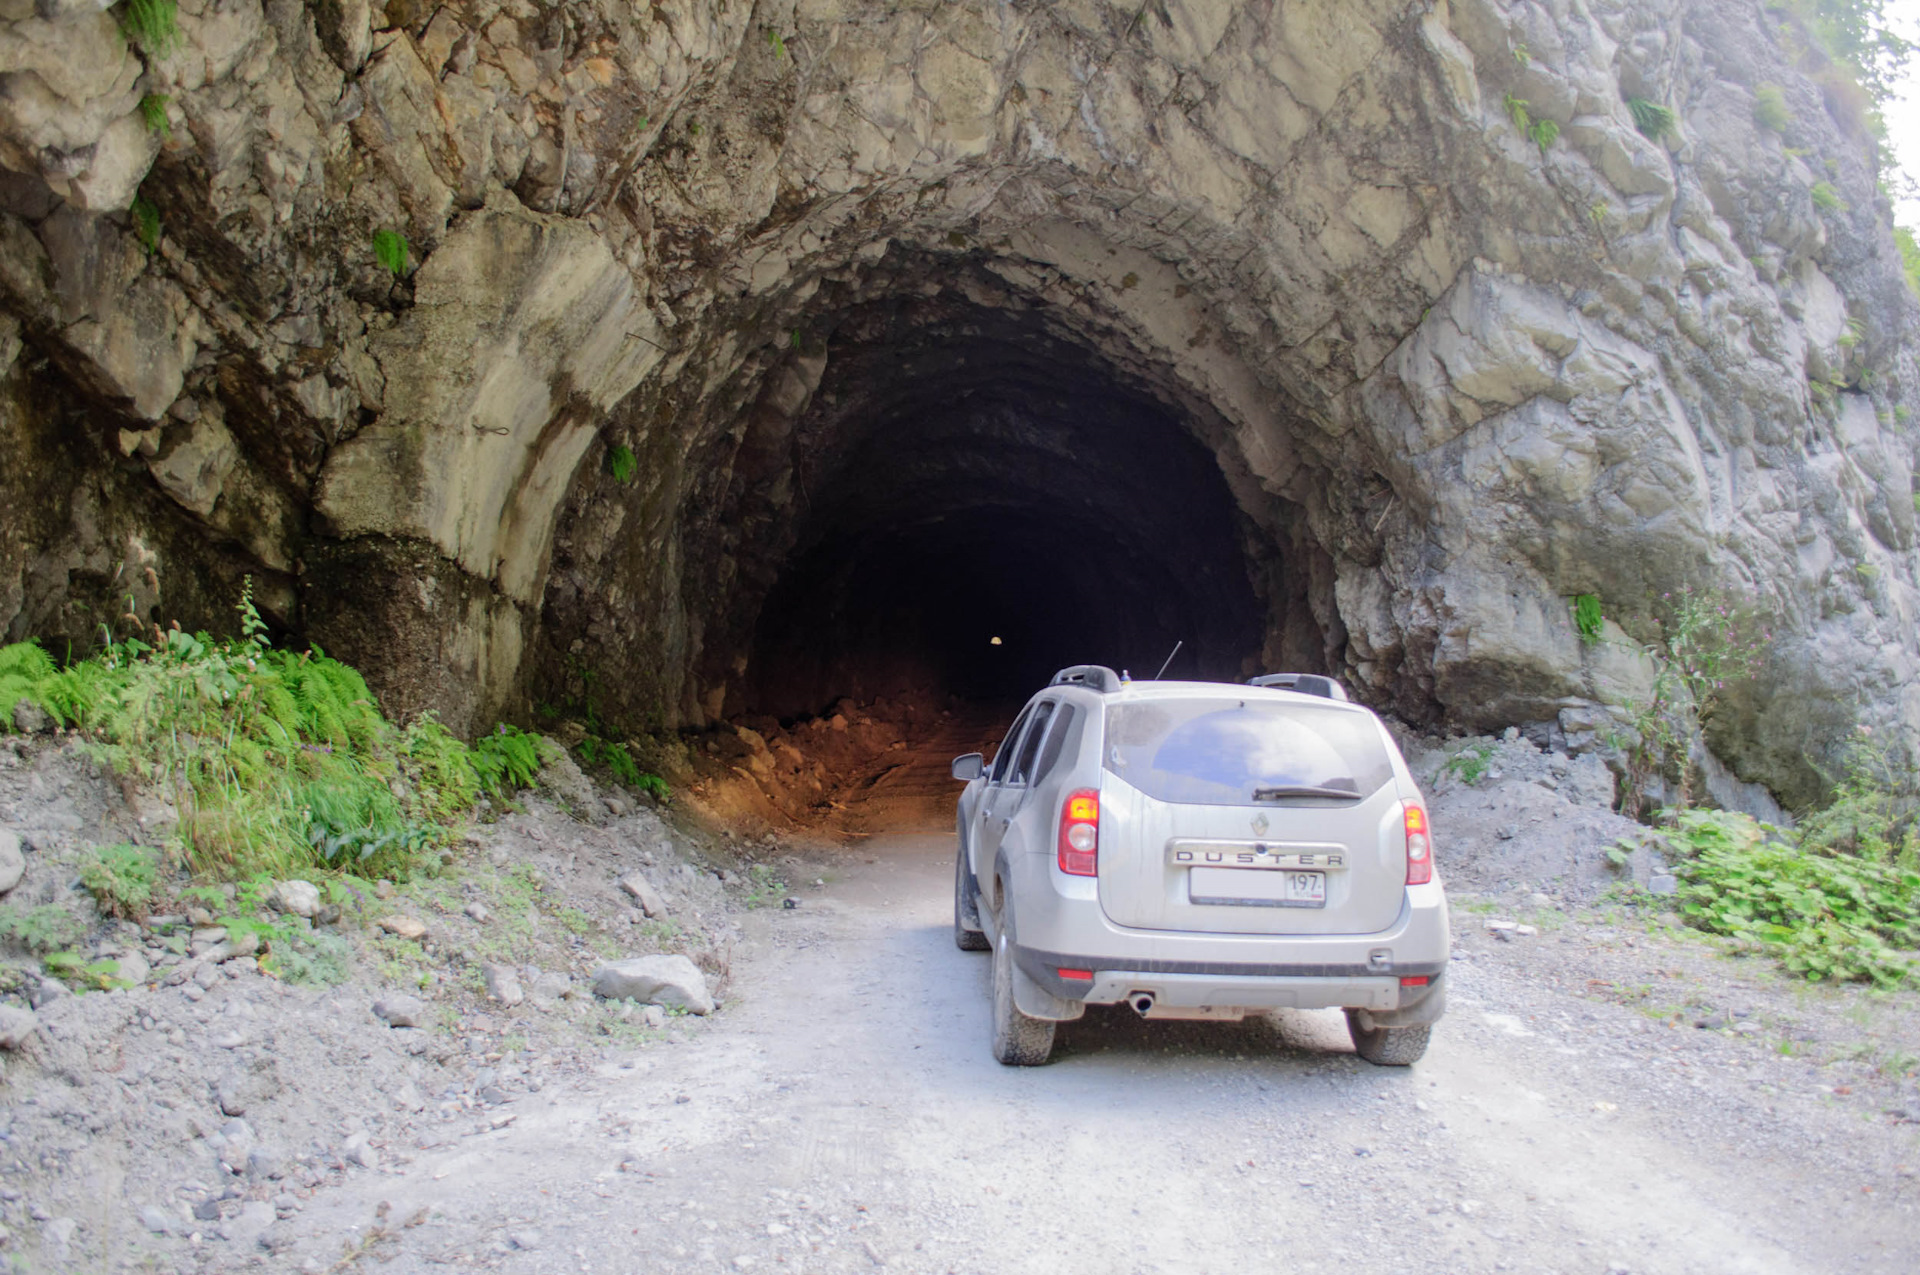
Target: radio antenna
[1170, 654]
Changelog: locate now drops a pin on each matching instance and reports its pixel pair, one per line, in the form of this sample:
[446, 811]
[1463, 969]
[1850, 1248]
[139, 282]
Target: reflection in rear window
[1221, 752]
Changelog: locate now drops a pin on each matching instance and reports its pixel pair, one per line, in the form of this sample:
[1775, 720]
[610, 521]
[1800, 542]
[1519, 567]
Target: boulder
[663, 980]
[298, 898]
[30, 719]
[13, 863]
[503, 984]
[16, 1025]
[401, 1011]
[550, 988]
[406, 927]
[637, 885]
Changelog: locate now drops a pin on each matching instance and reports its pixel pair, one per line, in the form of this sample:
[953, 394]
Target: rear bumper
[1054, 929]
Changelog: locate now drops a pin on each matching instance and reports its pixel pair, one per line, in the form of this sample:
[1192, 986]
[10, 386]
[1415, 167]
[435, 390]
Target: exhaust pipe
[1142, 1003]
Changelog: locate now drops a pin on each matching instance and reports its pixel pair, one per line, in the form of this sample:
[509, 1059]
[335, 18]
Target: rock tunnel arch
[1446, 375]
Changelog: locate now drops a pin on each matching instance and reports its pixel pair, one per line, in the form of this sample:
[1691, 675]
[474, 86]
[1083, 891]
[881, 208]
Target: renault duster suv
[1200, 850]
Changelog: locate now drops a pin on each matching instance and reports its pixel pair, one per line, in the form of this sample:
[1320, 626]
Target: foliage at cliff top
[276, 761]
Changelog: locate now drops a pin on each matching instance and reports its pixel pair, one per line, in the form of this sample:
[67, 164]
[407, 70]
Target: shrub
[121, 879]
[1652, 119]
[1824, 916]
[1770, 108]
[1826, 198]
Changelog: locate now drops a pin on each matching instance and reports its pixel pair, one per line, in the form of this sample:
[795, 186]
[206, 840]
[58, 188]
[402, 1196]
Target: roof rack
[1303, 683]
[1094, 676]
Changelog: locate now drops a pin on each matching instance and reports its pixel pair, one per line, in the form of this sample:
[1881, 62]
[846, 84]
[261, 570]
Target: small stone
[207, 1210]
[262, 1162]
[1498, 926]
[246, 1229]
[528, 1239]
[299, 898]
[401, 1011]
[789, 903]
[551, 987]
[406, 927]
[13, 862]
[156, 1219]
[670, 980]
[45, 992]
[1468, 1207]
[17, 1026]
[1507, 831]
[132, 968]
[479, 911]
[1662, 883]
[654, 1016]
[29, 718]
[743, 1262]
[1539, 900]
[503, 984]
[1526, 931]
[643, 892]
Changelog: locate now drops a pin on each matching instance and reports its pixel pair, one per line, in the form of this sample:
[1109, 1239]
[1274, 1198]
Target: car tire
[1388, 1046]
[1018, 1041]
[966, 907]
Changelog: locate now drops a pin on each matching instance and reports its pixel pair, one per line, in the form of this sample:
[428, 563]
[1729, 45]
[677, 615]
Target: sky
[1903, 116]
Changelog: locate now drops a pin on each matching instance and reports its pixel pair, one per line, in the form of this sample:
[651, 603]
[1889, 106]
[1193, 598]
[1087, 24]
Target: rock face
[719, 322]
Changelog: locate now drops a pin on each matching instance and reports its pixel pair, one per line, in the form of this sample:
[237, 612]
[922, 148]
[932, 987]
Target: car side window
[1056, 741]
[1030, 746]
[1004, 758]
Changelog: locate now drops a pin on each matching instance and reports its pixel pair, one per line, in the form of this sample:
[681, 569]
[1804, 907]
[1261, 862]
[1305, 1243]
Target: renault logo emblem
[1259, 825]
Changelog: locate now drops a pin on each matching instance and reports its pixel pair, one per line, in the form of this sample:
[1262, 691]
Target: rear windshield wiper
[1302, 790]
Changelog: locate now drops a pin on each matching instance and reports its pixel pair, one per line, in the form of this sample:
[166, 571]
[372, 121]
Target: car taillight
[1080, 833]
[1419, 847]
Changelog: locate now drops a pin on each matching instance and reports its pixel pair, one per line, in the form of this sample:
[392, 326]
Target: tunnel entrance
[991, 504]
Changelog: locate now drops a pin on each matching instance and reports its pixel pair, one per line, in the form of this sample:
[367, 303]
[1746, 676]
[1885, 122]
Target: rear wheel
[1388, 1046]
[1018, 1041]
[966, 907]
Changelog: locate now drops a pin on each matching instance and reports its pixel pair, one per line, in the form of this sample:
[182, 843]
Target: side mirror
[969, 767]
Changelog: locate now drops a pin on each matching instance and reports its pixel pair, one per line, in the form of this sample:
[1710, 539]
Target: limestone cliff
[802, 260]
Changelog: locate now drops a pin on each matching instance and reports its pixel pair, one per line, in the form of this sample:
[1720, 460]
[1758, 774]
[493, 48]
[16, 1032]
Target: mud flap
[1427, 1009]
[1036, 1001]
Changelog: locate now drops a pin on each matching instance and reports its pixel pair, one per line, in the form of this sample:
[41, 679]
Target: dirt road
[843, 1114]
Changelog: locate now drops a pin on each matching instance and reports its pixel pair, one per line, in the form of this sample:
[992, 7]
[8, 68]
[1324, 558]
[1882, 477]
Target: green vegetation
[1705, 645]
[777, 43]
[47, 928]
[1822, 914]
[1517, 111]
[764, 886]
[1855, 33]
[153, 109]
[1587, 617]
[1909, 255]
[1826, 198]
[146, 223]
[1544, 133]
[1469, 764]
[506, 760]
[152, 26]
[277, 761]
[391, 251]
[121, 879]
[621, 463]
[1652, 119]
[1770, 108]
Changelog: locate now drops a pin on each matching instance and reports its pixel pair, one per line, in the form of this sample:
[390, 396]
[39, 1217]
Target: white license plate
[1235, 887]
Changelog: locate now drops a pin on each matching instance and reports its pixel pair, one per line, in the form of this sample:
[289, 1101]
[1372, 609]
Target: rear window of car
[1235, 752]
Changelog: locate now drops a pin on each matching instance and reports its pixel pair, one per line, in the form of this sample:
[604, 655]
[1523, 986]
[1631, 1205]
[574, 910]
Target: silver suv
[1200, 850]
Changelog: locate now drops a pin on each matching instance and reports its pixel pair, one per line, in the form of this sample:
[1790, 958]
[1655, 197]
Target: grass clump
[146, 224]
[1587, 617]
[277, 761]
[622, 463]
[153, 109]
[152, 26]
[1826, 198]
[1469, 764]
[1652, 119]
[391, 251]
[1770, 108]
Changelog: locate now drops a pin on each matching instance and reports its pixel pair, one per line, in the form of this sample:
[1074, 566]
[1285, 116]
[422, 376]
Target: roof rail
[1304, 683]
[1095, 676]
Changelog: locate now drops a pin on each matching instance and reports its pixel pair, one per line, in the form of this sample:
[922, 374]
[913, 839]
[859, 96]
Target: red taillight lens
[1080, 833]
[1419, 847]
[1078, 976]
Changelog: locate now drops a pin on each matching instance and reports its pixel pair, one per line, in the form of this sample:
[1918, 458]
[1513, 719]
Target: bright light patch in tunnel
[994, 641]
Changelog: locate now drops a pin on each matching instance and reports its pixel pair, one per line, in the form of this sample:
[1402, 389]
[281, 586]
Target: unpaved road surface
[843, 1114]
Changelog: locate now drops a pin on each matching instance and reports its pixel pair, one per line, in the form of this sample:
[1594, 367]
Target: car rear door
[983, 838]
[1266, 813]
[1009, 794]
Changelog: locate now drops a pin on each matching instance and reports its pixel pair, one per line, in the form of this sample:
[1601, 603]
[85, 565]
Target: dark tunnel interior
[986, 504]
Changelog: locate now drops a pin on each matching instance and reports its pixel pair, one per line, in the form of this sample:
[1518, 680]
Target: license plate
[1235, 887]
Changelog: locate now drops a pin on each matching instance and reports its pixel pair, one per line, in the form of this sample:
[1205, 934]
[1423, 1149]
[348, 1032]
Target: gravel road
[843, 1114]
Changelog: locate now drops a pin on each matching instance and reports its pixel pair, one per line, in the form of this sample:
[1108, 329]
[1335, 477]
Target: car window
[1030, 746]
[1232, 752]
[1004, 757]
[1063, 719]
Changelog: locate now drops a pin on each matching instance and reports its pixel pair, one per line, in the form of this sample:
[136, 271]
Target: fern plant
[1544, 133]
[622, 463]
[1517, 111]
[391, 251]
